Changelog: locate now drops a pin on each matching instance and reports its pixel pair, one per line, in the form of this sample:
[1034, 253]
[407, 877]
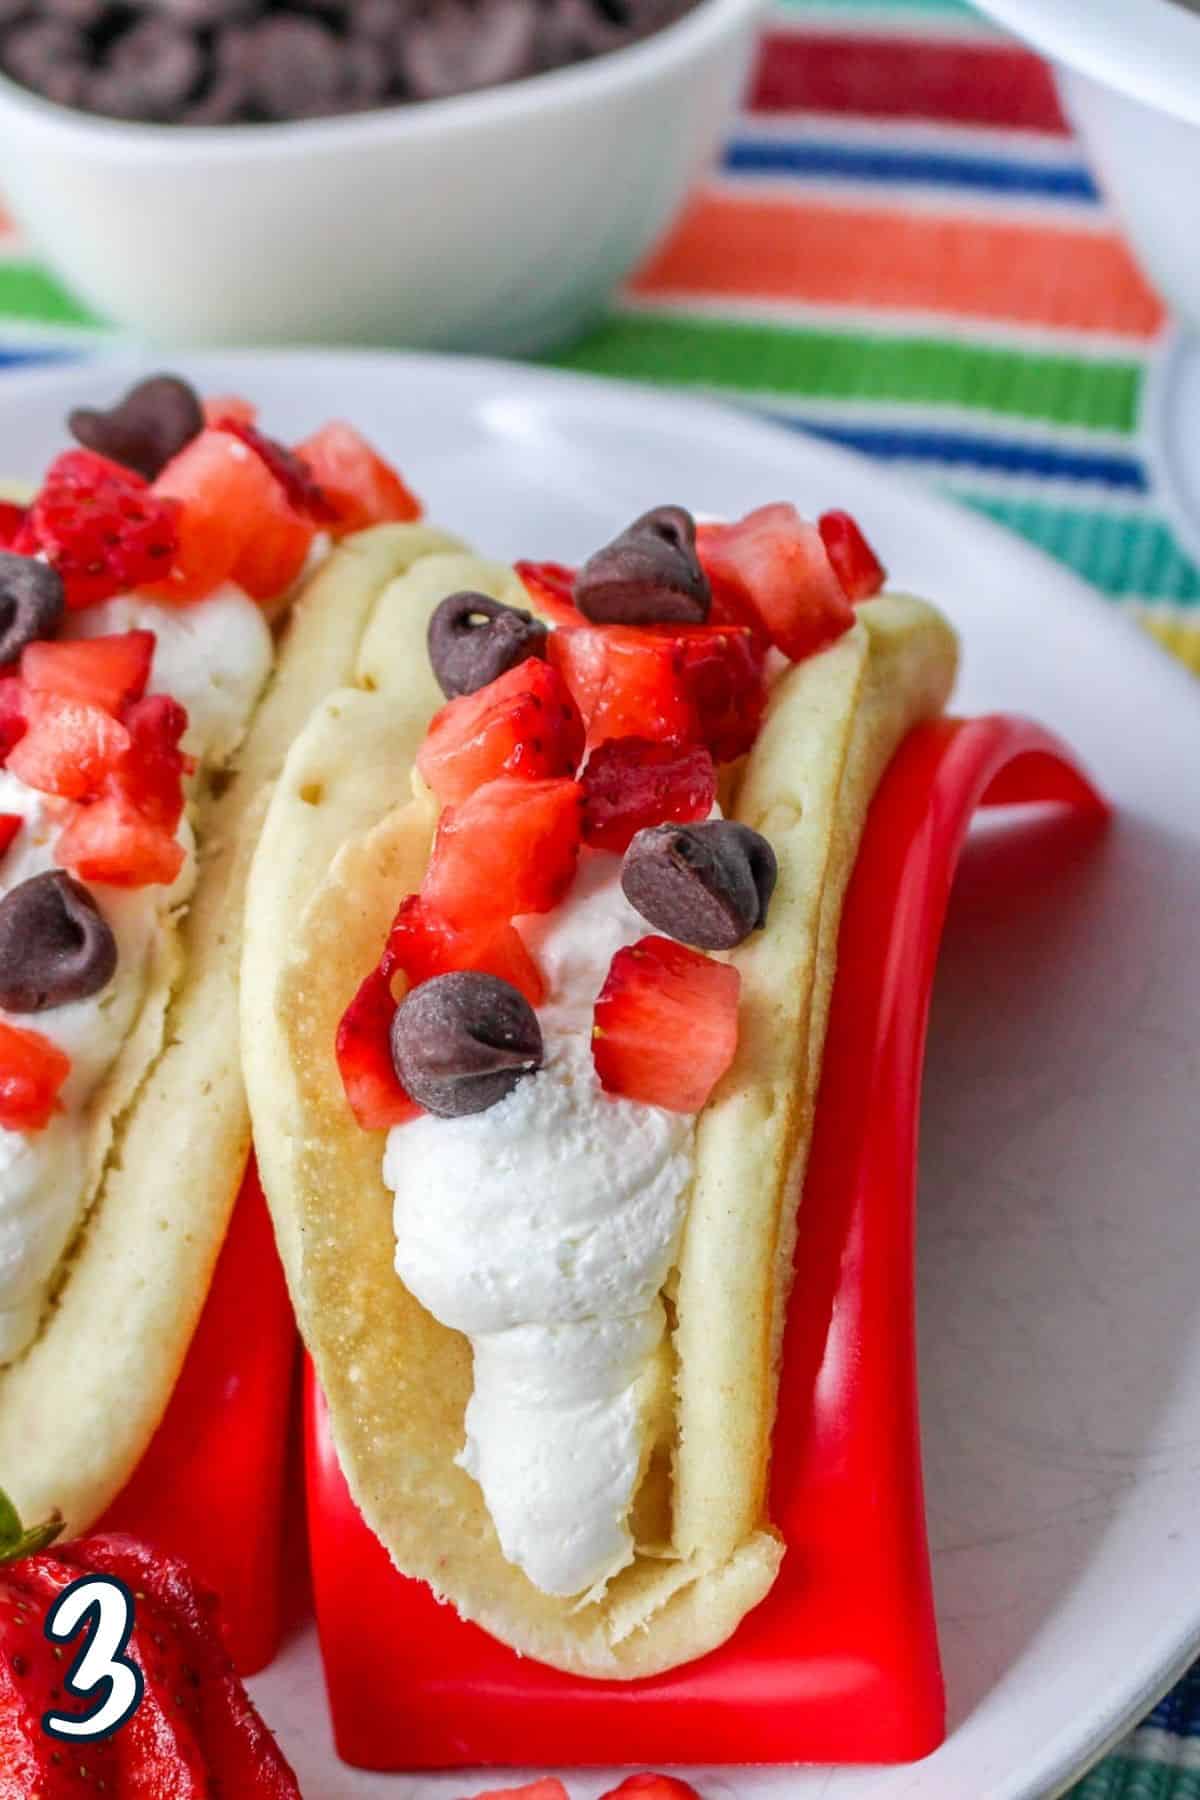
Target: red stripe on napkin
[906, 78]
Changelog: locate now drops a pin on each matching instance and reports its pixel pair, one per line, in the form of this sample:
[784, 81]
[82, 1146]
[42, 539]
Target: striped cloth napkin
[904, 251]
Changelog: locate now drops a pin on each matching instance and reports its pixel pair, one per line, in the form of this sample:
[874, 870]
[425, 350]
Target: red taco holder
[210, 1487]
[840, 1662]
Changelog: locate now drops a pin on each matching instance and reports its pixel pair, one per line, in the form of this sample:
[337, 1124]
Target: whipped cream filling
[214, 657]
[545, 1229]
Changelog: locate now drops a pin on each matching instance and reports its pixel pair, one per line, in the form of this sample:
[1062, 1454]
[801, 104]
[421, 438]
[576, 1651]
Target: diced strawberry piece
[13, 704]
[272, 561]
[111, 841]
[772, 565]
[551, 587]
[364, 1058]
[219, 409]
[580, 654]
[416, 943]
[721, 671]
[629, 783]
[12, 518]
[421, 945]
[548, 1788]
[523, 723]
[730, 604]
[103, 671]
[101, 526]
[129, 771]
[152, 772]
[68, 748]
[626, 682]
[304, 493]
[666, 1024]
[360, 487]
[223, 488]
[858, 568]
[10, 825]
[32, 1070]
[236, 521]
[510, 848]
[652, 1787]
[671, 683]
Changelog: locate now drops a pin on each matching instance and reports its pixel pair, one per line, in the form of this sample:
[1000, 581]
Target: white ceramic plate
[1060, 1224]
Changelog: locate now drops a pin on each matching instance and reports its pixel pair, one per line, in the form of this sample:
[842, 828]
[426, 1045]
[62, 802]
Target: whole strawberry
[194, 1734]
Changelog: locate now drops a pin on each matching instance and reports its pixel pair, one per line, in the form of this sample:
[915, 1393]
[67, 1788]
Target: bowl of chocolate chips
[450, 174]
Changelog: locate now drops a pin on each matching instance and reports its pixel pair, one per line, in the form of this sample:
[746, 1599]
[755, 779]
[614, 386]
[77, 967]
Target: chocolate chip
[31, 603]
[146, 428]
[296, 67]
[366, 72]
[380, 20]
[50, 57]
[223, 101]
[472, 639]
[178, 61]
[572, 30]
[55, 944]
[456, 48]
[707, 885]
[650, 573]
[461, 1042]
[226, 96]
[86, 14]
[206, 15]
[149, 73]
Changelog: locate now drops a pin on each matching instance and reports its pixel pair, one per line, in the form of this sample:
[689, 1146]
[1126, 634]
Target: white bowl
[1129, 71]
[497, 221]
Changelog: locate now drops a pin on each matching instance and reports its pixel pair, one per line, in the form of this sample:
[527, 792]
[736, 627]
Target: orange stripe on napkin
[758, 249]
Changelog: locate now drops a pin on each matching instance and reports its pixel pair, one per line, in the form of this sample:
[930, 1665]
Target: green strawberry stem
[17, 1540]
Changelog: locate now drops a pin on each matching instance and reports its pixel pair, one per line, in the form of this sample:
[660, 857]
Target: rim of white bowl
[707, 24]
[1147, 48]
